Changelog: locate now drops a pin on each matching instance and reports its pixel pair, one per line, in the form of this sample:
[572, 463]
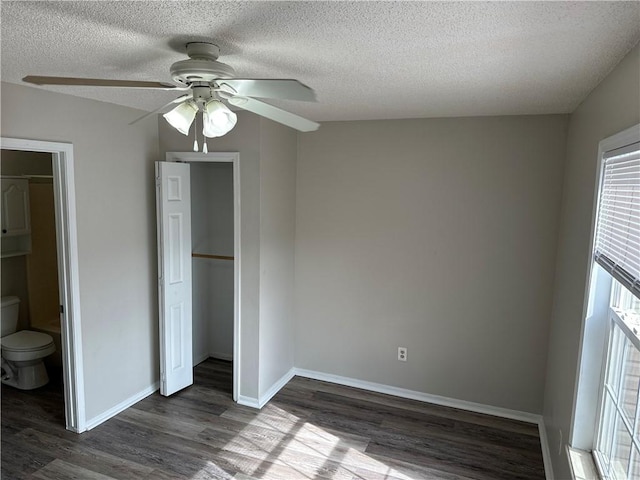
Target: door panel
[173, 203]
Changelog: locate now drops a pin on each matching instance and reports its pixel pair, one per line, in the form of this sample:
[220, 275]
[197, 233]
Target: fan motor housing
[192, 70]
[202, 65]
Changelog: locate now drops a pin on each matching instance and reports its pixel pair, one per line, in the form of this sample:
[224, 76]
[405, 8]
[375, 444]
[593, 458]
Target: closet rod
[215, 257]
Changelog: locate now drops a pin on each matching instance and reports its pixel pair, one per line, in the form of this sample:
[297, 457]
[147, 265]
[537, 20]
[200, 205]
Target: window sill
[582, 465]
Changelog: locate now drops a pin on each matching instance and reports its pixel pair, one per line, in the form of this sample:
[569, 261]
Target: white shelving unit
[16, 220]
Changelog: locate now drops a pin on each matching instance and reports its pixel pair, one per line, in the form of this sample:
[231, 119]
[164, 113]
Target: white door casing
[173, 203]
[233, 158]
[68, 277]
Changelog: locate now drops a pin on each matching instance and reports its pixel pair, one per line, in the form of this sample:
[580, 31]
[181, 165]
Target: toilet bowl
[22, 352]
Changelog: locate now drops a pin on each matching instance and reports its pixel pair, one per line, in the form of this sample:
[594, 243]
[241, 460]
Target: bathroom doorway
[31, 274]
[30, 264]
[44, 274]
[211, 291]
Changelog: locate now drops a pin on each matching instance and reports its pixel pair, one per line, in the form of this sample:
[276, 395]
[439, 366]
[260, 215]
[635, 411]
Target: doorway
[63, 190]
[214, 255]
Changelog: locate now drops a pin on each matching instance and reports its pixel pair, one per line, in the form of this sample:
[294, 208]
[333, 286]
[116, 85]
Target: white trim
[423, 397]
[112, 412]
[269, 394]
[443, 401]
[67, 246]
[232, 157]
[581, 464]
[200, 359]
[276, 387]
[248, 401]
[620, 139]
[219, 356]
[546, 452]
[228, 357]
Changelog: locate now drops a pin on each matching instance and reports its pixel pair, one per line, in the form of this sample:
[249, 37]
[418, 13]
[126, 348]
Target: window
[617, 450]
[617, 251]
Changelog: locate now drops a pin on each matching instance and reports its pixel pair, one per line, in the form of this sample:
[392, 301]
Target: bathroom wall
[15, 277]
[212, 233]
[25, 163]
[14, 283]
[42, 263]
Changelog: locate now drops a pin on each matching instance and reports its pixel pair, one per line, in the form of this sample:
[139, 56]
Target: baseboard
[222, 356]
[248, 401]
[200, 359]
[112, 412]
[420, 396]
[219, 356]
[269, 394]
[546, 453]
[275, 388]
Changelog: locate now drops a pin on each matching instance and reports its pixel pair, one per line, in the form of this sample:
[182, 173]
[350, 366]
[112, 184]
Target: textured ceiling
[366, 60]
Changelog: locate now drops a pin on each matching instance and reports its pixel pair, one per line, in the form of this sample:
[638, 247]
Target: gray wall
[245, 139]
[613, 106]
[277, 232]
[116, 232]
[267, 191]
[437, 235]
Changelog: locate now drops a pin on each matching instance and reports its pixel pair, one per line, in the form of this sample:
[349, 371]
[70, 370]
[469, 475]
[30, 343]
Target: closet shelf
[214, 257]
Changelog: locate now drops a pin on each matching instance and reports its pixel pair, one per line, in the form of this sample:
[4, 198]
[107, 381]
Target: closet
[212, 237]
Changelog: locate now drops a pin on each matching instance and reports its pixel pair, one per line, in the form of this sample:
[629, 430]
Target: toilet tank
[9, 318]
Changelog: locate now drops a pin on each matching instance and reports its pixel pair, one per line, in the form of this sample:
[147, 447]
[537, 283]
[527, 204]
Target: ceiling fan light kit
[210, 82]
[181, 117]
[218, 120]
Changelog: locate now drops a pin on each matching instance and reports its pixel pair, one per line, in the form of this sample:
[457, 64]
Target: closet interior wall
[212, 234]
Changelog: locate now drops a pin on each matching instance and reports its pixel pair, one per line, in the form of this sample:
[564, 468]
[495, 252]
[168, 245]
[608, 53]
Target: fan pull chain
[204, 138]
[195, 134]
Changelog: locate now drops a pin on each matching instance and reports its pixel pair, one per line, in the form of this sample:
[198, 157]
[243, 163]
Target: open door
[173, 208]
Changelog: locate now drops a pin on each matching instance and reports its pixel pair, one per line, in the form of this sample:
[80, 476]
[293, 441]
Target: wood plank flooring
[310, 429]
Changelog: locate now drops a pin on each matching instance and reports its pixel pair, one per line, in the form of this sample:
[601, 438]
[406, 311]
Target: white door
[173, 205]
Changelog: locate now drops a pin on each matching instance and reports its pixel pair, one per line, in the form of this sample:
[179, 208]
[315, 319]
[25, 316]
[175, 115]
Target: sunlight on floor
[277, 444]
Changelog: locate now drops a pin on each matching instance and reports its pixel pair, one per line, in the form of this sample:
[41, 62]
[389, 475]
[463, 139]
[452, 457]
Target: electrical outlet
[402, 354]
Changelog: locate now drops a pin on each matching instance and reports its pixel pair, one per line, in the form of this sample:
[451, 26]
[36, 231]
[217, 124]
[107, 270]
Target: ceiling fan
[209, 83]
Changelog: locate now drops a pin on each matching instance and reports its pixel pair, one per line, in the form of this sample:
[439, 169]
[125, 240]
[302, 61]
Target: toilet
[22, 352]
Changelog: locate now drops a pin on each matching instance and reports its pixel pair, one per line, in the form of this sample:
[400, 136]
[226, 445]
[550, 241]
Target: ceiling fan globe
[182, 116]
[218, 119]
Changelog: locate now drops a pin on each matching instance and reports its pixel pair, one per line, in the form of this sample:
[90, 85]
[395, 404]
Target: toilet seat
[26, 345]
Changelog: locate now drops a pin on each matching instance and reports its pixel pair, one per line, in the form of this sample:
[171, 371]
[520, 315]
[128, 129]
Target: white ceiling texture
[365, 60]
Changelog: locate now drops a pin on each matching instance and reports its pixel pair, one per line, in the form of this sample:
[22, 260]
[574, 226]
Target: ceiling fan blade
[285, 89]
[274, 113]
[180, 99]
[99, 82]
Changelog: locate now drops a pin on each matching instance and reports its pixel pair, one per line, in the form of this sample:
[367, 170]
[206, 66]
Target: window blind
[617, 246]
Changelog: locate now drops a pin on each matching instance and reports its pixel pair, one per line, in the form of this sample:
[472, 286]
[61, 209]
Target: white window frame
[617, 322]
[594, 328]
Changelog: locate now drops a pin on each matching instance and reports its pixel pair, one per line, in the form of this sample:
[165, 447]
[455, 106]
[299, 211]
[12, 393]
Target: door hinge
[62, 309]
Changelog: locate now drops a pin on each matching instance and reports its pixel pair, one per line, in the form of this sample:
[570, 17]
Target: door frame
[67, 247]
[234, 158]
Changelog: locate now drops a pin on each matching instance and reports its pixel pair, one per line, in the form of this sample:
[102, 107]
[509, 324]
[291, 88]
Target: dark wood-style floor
[309, 430]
